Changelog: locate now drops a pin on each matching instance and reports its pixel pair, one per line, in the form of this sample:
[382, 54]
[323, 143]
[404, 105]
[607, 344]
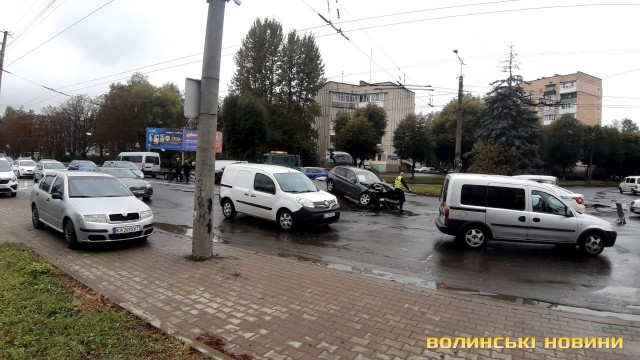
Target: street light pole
[458, 158]
[202, 241]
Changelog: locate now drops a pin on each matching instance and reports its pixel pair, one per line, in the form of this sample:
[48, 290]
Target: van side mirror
[271, 189]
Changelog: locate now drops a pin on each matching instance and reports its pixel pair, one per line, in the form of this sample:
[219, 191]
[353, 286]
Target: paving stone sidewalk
[275, 308]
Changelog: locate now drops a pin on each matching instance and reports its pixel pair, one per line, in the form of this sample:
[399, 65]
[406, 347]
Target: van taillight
[579, 200]
[446, 212]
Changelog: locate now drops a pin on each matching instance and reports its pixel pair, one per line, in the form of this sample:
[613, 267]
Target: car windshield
[4, 166]
[95, 187]
[126, 165]
[367, 178]
[121, 173]
[295, 182]
[85, 163]
[53, 165]
[27, 163]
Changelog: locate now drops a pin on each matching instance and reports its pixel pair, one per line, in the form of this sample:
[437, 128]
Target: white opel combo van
[147, 161]
[276, 193]
[476, 208]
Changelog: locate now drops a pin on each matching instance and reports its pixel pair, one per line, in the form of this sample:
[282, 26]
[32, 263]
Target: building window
[568, 106]
[571, 95]
[344, 97]
[548, 119]
[568, 85]
[372, 97]
[550, 87]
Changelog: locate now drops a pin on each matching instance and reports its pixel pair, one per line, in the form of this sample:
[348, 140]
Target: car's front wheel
[70, 235]
[285, 220]
[592, 244]
[620, 190]
[330, 186]
[35, 218]
[228, 210]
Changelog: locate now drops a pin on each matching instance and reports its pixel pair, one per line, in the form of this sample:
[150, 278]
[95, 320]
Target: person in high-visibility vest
[400, 187]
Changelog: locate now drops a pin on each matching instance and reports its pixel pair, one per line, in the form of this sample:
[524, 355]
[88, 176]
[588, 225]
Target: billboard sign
[177, 139]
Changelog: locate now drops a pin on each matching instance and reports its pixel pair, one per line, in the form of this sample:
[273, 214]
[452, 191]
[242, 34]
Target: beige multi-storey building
[335, 98]
[579, 94]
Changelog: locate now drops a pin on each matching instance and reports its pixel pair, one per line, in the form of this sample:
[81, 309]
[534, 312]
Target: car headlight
[14, 179]
[146, 214]
[148, 185]
[305, 202]
[96, 218]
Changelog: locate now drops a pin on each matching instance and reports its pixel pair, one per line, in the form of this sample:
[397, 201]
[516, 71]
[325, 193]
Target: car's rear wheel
[592, 244]
[330, 185]
[474, 236]
[365, 199]
[70, 235]
[228, 210]
[285, 220]
[35, 218]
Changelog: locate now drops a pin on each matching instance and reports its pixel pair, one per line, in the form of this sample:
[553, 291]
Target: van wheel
[365, 199]
[591, 244]
[474, 236]
[620, 190]
[634, 192]
[70, 235]
[330, 186]
[285, 220]
[228, 210]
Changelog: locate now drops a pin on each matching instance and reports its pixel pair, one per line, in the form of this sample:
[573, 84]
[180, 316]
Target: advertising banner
[177, 139]
[167, 139]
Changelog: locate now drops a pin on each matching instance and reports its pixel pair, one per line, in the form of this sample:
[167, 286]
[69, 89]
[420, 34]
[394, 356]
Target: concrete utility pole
[202, 241]
[4, 46]
[458, 159]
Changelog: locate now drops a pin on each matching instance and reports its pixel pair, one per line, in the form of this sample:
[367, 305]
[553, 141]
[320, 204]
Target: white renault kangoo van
[276, 193]
[477, 208]
[631, 184]
[147, 161]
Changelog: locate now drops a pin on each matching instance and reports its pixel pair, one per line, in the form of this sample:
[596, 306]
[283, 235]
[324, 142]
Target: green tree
[244, 118]
[357, 139]
[510, 123]
[411, 139]
[257, 60]
[608, 151]
[443, 127]
[562, 142]
[631, 157]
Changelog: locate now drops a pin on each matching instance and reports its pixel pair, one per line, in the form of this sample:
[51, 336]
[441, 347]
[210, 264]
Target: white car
[426, 170]
[634, 207]
[24, 168]
[89, 207]
[575, 200]
[45, 166]
[8, 180]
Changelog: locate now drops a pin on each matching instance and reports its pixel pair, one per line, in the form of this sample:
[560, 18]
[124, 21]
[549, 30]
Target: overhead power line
[67, 28]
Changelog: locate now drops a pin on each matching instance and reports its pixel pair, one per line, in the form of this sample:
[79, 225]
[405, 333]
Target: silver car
[89, 207]
[140, 188]
[45, 166]
[124, 164]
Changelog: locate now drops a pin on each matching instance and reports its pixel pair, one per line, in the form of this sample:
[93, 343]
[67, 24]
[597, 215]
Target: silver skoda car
[89, 207]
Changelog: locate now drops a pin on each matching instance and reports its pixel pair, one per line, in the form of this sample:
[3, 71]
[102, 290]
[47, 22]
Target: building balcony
[568, 109]
[567, 88]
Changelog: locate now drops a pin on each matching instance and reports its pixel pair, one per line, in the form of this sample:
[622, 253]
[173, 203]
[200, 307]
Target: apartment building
[336, 97]
[579, 94]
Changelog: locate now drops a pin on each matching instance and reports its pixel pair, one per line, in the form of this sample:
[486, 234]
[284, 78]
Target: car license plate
[126, 229]
[331, 214]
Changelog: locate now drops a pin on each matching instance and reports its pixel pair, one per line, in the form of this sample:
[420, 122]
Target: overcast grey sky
[80, 46]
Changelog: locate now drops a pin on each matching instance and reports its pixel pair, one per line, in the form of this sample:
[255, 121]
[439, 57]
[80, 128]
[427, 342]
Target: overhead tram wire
[478, 13]
[20, 30]
[26, 31]
[67, 28]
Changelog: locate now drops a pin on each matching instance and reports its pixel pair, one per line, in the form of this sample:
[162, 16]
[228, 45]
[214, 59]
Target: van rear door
[506, 211]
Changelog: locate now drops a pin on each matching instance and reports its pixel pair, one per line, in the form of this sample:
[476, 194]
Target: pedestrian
[400, 187]
[177, 168]
[186, 169]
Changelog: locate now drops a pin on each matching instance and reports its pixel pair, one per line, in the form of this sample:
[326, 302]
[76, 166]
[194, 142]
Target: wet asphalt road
[409, 248]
